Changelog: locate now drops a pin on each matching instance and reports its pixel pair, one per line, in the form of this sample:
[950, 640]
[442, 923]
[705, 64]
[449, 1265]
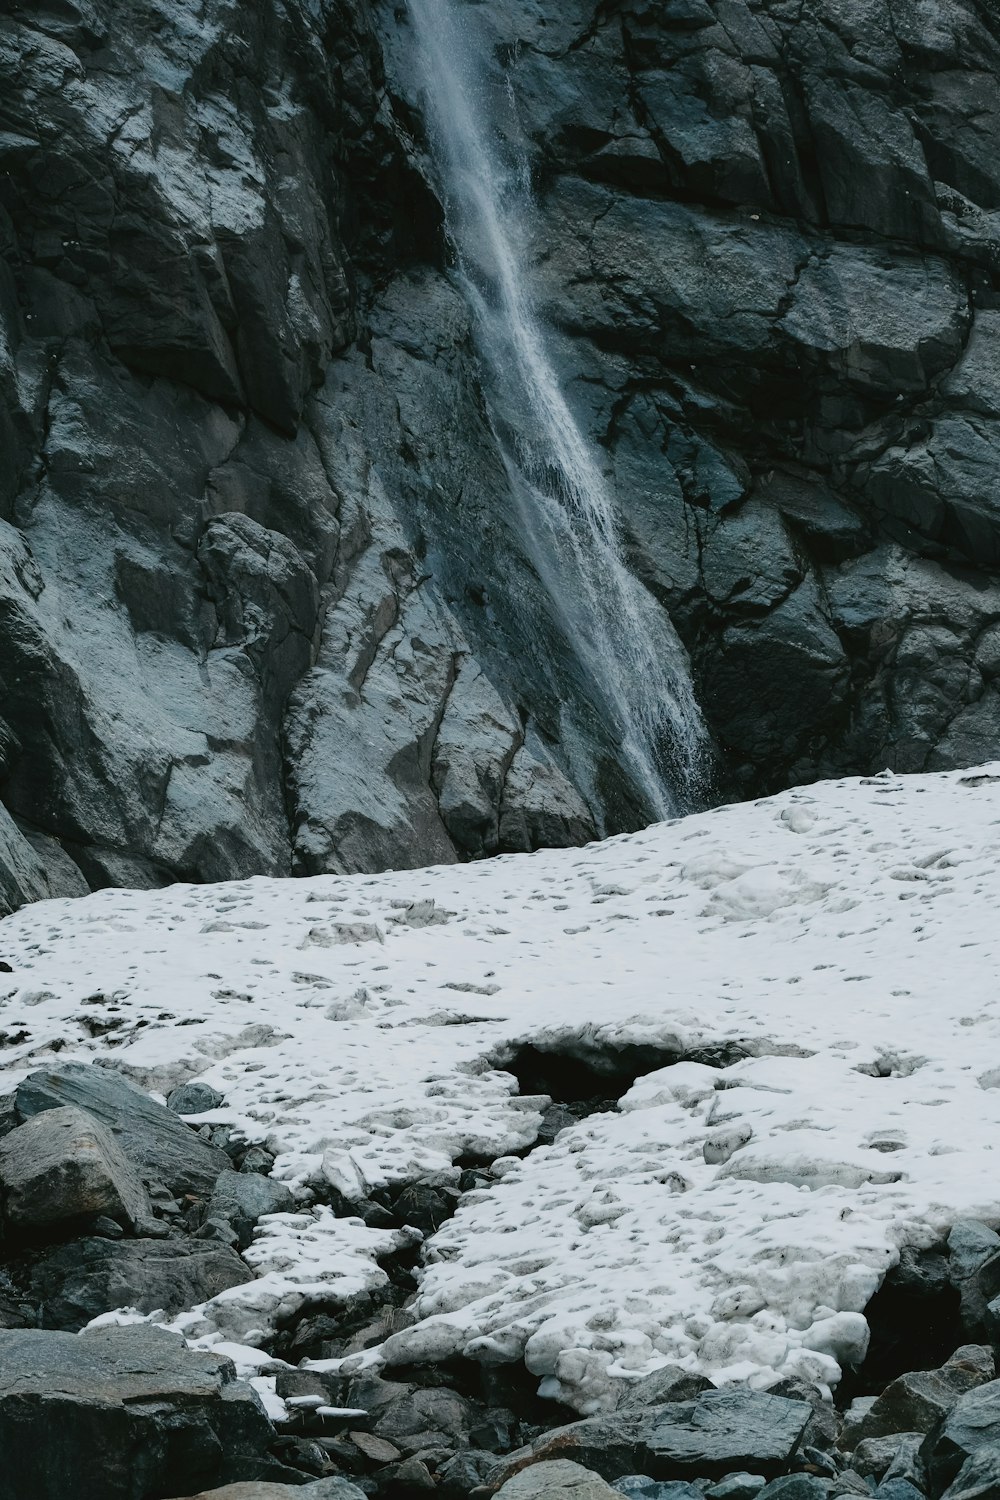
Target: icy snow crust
[733, 1220]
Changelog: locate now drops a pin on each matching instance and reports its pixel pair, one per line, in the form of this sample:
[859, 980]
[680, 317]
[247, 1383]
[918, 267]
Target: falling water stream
[622, 638]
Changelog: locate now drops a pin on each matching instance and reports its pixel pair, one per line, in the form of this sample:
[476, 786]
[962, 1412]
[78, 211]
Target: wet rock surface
[240, 405]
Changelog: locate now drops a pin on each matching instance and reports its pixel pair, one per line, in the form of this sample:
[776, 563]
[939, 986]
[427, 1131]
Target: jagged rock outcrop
[265, 603]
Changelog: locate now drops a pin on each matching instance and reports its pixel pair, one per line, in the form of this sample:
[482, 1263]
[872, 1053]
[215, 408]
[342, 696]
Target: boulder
[65, 1166]
[670, 1383]
[80, 1281]
[426, 1418]
[111, 1413]
[153, 1138]
[972, 1423]
[193, 1098]
[706, 1438]
[978, 1478]
[874, 1456]
[554, 1481]
[241, 1198]
[916, 1401]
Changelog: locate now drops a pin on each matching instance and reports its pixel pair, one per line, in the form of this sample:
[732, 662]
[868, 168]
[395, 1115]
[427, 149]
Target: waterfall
[622, 638]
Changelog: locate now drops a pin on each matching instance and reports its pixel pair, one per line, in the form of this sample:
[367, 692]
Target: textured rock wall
[263, 601]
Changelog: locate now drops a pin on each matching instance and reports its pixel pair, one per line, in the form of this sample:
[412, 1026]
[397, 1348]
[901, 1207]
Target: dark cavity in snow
[585, 1078]
[915, 1321]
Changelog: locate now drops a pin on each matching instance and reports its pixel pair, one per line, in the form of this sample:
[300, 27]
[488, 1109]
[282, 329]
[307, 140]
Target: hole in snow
[915, 1322]
[584, 1077]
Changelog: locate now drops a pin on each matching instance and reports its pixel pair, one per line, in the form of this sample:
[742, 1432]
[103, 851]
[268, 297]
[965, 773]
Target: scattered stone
[80, 1281]
[972, 1423]
[152, 1137]
[552, 1481]
[194, 1098]
[63, 1166]
[117, 1409]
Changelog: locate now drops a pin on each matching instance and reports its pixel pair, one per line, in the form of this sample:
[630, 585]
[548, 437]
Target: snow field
[734, 1220]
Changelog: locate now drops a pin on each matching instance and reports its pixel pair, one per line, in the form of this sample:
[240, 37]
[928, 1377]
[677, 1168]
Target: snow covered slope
[732, 1219]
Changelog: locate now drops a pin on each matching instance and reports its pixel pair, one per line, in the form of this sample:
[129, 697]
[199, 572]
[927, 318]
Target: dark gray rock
[64, 1165]
[241, 1198]
[80, 1281]
[970, 1243]
[978, 1478]
[917, 1401]
[716, 1433]
[899, 1489]
[154, 1140]
[119, 1409]
[875, 1456]
[194, 1098]
[465, 1472]
[972, 1423]
[426, 1418]
[670, 1383]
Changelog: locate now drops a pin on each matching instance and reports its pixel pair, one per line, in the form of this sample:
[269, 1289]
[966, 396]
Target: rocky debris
[716, 1432]
[558, 1479]
[121, 1409]
[163, 1149]
[64, 1166]
[80, 1281]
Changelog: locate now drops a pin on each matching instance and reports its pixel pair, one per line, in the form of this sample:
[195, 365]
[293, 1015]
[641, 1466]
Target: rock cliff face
[264, 604]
